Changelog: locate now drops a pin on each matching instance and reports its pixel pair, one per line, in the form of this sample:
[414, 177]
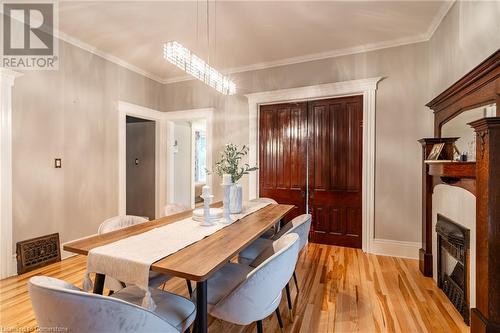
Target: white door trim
[191, 114]
[365, 87]
[7, 257]
[128, 109]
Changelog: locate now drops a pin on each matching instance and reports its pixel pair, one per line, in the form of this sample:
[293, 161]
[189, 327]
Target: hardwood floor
[341, 290]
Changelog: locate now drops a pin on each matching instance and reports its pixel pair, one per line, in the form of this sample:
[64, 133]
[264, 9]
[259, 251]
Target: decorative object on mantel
[229, 163]
[456, 155]
[471, 154]
[227, 182]
[437, 148]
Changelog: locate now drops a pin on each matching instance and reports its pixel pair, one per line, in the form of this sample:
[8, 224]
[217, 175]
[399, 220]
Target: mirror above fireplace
[459, 127]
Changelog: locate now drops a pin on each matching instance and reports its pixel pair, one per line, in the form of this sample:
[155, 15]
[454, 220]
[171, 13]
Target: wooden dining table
[198, 261]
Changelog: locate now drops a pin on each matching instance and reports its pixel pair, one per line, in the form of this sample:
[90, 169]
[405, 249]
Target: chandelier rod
[197, 27]
[215, 31]
[208, 32]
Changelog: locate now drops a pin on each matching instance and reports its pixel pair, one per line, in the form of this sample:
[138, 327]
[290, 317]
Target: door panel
[335, 151]
[282, 154]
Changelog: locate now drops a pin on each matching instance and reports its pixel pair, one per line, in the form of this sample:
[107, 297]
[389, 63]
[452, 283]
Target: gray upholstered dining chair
[265, 200]
[120, 222]
[261, 248]
[242, 294]
[57, 303]
[271, 232]
[117, 223]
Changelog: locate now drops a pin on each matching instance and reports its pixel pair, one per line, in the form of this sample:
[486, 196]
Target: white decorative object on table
[236, 198]
[227, 182]
[230, 163]
[214, 216]
[207, 197]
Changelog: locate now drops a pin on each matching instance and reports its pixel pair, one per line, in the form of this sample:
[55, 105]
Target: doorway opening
[311, 156]
[140, 167]
[189, 153]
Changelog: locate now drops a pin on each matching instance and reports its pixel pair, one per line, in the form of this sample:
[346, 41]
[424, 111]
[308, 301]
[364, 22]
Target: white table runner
[129, 260]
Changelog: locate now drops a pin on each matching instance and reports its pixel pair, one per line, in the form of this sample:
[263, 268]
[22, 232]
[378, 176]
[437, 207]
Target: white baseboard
[13, 263]
[66, 255]
[394, 248]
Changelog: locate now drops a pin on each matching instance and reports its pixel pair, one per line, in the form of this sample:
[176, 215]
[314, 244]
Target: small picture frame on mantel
[435, 152]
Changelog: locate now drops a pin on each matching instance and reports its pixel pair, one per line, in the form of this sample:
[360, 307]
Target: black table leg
[201, 307]
[190, 289]
[99, 283]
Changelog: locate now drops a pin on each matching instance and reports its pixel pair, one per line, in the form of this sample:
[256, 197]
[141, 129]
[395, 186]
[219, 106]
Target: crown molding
[120, 62]
[439, 17]
[313, 57]
[424, 37]
[9, 75]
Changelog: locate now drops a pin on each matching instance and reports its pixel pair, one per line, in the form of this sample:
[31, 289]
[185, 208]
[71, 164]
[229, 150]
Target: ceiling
[243, 34]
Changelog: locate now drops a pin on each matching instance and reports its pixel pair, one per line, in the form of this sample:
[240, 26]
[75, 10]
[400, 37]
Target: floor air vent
[37, 252]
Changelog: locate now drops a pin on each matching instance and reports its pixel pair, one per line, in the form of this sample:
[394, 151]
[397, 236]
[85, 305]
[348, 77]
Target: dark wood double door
[310, 155]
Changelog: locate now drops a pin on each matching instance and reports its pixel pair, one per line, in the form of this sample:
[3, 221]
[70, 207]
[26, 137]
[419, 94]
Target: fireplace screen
[452, 263]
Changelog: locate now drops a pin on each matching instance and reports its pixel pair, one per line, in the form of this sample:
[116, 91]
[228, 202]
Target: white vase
[236, 199]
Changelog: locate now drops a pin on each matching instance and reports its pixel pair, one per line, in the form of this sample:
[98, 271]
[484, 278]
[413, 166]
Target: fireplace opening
[453, 244]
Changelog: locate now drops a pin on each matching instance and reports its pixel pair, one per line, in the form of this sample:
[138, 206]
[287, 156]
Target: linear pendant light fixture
[183, 58]
[189, 62]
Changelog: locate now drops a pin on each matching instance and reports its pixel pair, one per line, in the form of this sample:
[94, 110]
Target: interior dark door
[282, 154]
[141, 167]
[335, 169]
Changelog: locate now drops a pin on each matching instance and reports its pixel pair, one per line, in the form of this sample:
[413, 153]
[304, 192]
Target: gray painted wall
[468, 34]
[72, 113]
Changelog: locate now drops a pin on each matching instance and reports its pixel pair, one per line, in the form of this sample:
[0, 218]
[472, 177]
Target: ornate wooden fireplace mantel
[479, 87]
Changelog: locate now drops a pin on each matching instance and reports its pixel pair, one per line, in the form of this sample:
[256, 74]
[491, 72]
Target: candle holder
[207, 200]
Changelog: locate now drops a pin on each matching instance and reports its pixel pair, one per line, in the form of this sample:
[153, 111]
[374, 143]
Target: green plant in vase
[229, 163]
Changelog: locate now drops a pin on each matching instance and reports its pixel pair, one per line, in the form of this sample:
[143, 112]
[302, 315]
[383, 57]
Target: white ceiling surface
[244, 35]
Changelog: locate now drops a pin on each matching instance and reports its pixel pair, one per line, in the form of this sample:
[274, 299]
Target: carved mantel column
[485, 318]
